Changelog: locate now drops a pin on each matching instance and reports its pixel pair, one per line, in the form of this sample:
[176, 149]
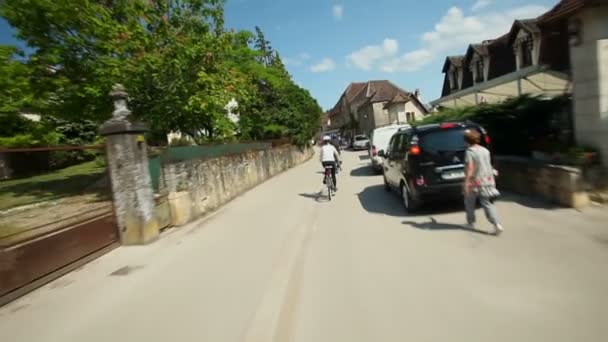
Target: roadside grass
[73, 180]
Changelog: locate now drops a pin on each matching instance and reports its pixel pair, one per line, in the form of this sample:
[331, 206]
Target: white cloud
[327, 64]
[410, 61]
[297, 60]
[452, 34]
[338, 11]
[456, 30]
[481, 4]
[366, 57]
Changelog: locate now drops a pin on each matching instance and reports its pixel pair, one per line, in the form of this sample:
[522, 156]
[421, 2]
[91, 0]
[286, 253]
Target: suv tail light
[374, 151]
[487, 139]
[415, 150]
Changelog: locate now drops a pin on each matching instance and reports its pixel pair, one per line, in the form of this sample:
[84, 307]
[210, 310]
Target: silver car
[360, 142]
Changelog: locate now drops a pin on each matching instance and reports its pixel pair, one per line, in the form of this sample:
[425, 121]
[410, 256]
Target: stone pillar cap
[120, 122]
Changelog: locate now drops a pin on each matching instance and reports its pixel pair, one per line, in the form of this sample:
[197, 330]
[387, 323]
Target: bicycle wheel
[330, 186]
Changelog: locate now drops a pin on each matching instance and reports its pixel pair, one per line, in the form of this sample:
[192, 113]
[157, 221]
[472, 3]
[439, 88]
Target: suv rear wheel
[409, 204]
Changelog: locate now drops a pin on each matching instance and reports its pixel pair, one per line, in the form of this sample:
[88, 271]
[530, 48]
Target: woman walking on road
[479, 181]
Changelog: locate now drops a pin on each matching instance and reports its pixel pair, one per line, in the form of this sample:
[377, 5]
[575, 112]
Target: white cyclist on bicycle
[330, 158]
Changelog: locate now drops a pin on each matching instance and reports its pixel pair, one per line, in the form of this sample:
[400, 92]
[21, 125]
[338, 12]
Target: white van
[379, 142]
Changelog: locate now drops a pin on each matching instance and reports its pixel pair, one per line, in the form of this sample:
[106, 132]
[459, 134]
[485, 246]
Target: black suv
[426, 163]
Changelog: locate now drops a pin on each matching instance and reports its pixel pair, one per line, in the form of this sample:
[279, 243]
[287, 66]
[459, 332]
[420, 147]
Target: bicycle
[329, 181]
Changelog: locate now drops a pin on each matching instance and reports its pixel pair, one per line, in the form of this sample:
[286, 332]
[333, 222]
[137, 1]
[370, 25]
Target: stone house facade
[530, 59]
[373, 104]
[586, 22]
[563, 51]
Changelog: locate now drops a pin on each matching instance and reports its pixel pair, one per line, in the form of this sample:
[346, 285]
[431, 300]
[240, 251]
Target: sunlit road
[282, 264]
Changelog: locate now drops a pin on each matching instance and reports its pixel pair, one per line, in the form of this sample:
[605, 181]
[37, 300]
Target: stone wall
[200, 186]
[562, 185]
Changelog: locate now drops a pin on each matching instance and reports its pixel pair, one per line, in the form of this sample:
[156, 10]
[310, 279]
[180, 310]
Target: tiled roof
[353, 89]
[373, 91]
[480, 49]
[456, 61]
[383, 91]
[399, 98]
[564, 9]
[530, 25]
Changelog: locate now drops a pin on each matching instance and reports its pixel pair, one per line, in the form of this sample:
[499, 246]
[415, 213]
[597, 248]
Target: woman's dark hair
[472, 136]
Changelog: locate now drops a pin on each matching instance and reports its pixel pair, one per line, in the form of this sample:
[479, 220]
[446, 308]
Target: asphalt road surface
[281, 263]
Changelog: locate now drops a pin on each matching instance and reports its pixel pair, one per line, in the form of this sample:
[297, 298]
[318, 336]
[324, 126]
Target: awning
[535, 80]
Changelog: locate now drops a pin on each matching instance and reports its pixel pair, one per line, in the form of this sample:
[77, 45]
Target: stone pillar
[129, 173]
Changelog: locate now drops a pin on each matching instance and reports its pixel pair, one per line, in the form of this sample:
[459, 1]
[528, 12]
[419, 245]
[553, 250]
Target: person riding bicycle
[330, 157]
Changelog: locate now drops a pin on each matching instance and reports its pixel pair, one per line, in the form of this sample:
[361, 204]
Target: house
[529, 59]
[365, 106]
[455, 76]
[344, 112]
[563, 51]
[585, 23]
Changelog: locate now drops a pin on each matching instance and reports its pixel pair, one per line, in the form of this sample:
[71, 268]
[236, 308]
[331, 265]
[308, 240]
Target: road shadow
[528, 201]
[375, 199]
[317, 196]
[438, 226]
[363, 171]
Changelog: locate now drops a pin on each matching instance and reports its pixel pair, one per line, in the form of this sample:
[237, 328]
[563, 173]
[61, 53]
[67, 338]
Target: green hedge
[519, 125]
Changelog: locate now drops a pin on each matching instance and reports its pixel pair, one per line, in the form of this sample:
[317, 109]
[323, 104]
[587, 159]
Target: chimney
[417, 93]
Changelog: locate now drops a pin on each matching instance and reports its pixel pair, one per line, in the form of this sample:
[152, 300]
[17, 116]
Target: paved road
[281, 264]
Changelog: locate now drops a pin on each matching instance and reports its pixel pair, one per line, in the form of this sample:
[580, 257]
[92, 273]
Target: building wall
[366, 118]
[590, 80]
[419, 113]
[381, 117]
[396, 112]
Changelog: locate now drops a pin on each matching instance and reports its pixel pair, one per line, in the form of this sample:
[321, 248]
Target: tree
[263, 46]
[15, 91]
[179, 63]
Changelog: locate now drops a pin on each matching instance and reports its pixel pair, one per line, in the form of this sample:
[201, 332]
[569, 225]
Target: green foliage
[13, 123]
[33, 139]
[179, 64]
[182, 141]
[15, 92]
[519, 125]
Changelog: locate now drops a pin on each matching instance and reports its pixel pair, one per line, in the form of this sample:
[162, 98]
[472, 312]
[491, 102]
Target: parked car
[360, 142]
[379, 140]
[426, 163]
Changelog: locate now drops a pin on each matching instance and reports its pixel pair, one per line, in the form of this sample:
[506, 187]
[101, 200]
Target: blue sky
[326, 44]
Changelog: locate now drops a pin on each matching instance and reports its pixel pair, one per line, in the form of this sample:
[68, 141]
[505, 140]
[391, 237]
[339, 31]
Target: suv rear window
[360, 138]
[443, 140]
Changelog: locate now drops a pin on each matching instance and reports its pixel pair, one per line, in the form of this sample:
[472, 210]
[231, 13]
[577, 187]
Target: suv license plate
[451, 175]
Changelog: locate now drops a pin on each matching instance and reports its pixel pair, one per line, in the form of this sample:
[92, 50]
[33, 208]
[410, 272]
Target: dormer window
[454, 79]
[455, 85]
[479, 71]
[526, 49]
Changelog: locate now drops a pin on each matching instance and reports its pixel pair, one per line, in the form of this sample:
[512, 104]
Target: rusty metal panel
[28, 261]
